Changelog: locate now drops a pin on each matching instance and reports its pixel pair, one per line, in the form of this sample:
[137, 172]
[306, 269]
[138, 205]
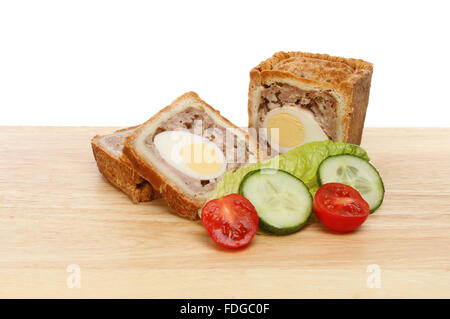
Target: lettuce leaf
[303, 162]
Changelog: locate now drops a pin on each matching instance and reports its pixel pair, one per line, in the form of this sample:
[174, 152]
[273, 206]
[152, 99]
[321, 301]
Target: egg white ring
[176, 140]
[307, 119]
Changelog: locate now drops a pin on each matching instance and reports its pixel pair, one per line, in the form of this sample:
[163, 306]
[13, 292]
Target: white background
[118, 62]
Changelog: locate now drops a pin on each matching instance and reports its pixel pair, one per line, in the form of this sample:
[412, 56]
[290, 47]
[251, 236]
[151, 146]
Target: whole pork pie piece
[185, 149]
[297, 97]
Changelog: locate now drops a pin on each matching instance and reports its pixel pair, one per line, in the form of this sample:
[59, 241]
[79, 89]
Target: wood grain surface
[57, 210]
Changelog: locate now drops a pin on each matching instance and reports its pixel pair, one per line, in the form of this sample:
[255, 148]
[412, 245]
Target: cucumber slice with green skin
[355, 172]
[282, 201]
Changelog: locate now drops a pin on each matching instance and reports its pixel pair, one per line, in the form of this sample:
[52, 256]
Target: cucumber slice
[283, 202]
[355, 172]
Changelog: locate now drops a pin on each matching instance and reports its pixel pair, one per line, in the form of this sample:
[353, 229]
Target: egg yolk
[201, 158]
[288, 130]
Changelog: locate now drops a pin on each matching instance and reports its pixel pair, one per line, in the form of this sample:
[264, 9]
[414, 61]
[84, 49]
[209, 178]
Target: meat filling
[198, 122]
[321, 103]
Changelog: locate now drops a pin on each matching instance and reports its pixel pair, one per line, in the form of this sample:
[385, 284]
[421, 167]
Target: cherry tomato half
[340, 207]
[231, 221]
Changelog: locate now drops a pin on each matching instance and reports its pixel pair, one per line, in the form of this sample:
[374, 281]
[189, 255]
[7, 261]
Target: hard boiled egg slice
[289, 127]
[191, 154]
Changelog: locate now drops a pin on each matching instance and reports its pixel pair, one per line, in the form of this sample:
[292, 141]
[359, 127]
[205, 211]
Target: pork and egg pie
[185, 149]
[296, 98]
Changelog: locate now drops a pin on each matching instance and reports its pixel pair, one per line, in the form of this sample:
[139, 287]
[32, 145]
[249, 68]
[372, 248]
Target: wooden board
[57, 210]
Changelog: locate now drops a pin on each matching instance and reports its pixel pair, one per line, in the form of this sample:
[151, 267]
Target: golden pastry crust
[119, 172]
[348, 80]
[177, 200]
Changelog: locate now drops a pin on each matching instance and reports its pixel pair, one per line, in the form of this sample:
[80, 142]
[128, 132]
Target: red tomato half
[340, 207]
[231, 221]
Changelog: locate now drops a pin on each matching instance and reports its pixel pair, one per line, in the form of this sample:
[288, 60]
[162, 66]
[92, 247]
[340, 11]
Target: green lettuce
[302, 162]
